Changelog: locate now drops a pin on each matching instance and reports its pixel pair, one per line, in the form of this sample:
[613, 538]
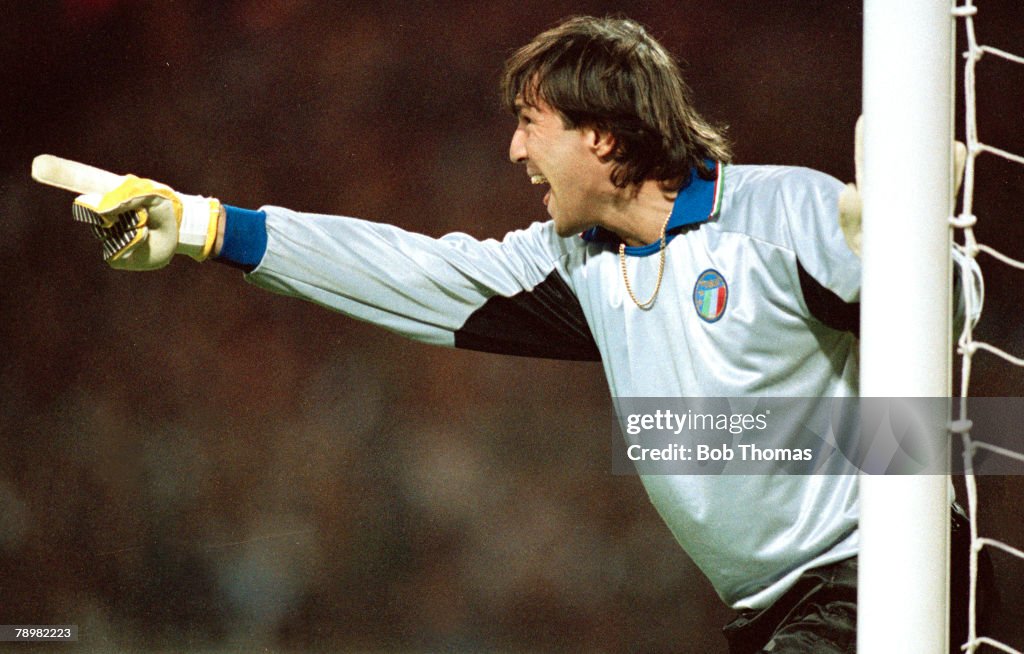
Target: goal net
[906, 348]
[968, 344]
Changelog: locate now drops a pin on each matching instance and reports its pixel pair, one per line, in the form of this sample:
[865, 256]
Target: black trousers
[819, 613]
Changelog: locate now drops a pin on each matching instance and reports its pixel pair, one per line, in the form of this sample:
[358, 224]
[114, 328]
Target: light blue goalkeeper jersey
[759, 298]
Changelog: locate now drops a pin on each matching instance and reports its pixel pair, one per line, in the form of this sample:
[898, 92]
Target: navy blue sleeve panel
[545, 322]
[826, 306]
[245, 238]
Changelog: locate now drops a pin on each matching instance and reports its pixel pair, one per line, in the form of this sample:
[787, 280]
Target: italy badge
[710, 295]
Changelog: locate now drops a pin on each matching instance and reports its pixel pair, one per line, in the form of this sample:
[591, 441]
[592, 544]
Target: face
[568, 161]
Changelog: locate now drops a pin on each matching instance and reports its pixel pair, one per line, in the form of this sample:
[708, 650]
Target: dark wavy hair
[609, 74]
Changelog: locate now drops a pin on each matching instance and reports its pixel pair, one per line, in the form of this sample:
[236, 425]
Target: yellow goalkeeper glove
[142, 224]
[850, 205]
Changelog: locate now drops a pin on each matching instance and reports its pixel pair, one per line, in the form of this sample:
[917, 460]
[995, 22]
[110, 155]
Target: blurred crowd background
[190, 464]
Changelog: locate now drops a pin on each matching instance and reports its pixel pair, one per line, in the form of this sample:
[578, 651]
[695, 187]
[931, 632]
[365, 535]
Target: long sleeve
[505, 296]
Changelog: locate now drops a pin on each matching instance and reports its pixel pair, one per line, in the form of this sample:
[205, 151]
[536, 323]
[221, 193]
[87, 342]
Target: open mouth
[538, 179]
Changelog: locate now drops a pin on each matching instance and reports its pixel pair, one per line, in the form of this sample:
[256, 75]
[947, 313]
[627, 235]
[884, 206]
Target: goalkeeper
[685, 275]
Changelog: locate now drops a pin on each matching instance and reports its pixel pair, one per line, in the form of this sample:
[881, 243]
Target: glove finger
[850, 208]
[130, 243]
[128, 230]
[83, 214]
[137, 223]
[134, 193]
[107, 210]
[139, 238]
[143, 253]
[959, 161]
[83, 210]
[124, 235]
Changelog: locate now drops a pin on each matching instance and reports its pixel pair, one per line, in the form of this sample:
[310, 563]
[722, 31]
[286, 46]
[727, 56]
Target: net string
[968, 345]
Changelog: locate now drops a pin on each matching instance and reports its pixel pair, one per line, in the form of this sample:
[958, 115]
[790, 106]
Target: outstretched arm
[506, 296]
[141, 224]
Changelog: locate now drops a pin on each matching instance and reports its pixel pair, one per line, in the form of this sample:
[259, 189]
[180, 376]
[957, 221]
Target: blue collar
[698, 201]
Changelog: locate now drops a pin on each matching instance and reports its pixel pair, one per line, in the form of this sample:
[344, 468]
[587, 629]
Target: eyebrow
[522, 106]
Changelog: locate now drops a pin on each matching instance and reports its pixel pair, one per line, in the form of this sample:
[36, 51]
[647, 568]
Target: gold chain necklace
[661, 269]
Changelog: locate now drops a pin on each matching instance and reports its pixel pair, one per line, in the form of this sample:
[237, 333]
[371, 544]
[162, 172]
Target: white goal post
[906, 341]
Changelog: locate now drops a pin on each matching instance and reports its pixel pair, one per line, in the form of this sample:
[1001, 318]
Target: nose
[517, 148]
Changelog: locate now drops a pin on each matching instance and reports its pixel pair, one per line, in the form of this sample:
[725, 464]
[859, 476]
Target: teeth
[538, 179]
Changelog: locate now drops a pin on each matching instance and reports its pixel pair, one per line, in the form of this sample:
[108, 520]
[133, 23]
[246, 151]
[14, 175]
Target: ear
[602, 143]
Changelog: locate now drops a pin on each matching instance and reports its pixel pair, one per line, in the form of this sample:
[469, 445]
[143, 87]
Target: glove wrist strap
[197, 231]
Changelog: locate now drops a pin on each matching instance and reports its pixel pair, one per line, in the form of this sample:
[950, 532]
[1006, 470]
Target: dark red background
[187, 462]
